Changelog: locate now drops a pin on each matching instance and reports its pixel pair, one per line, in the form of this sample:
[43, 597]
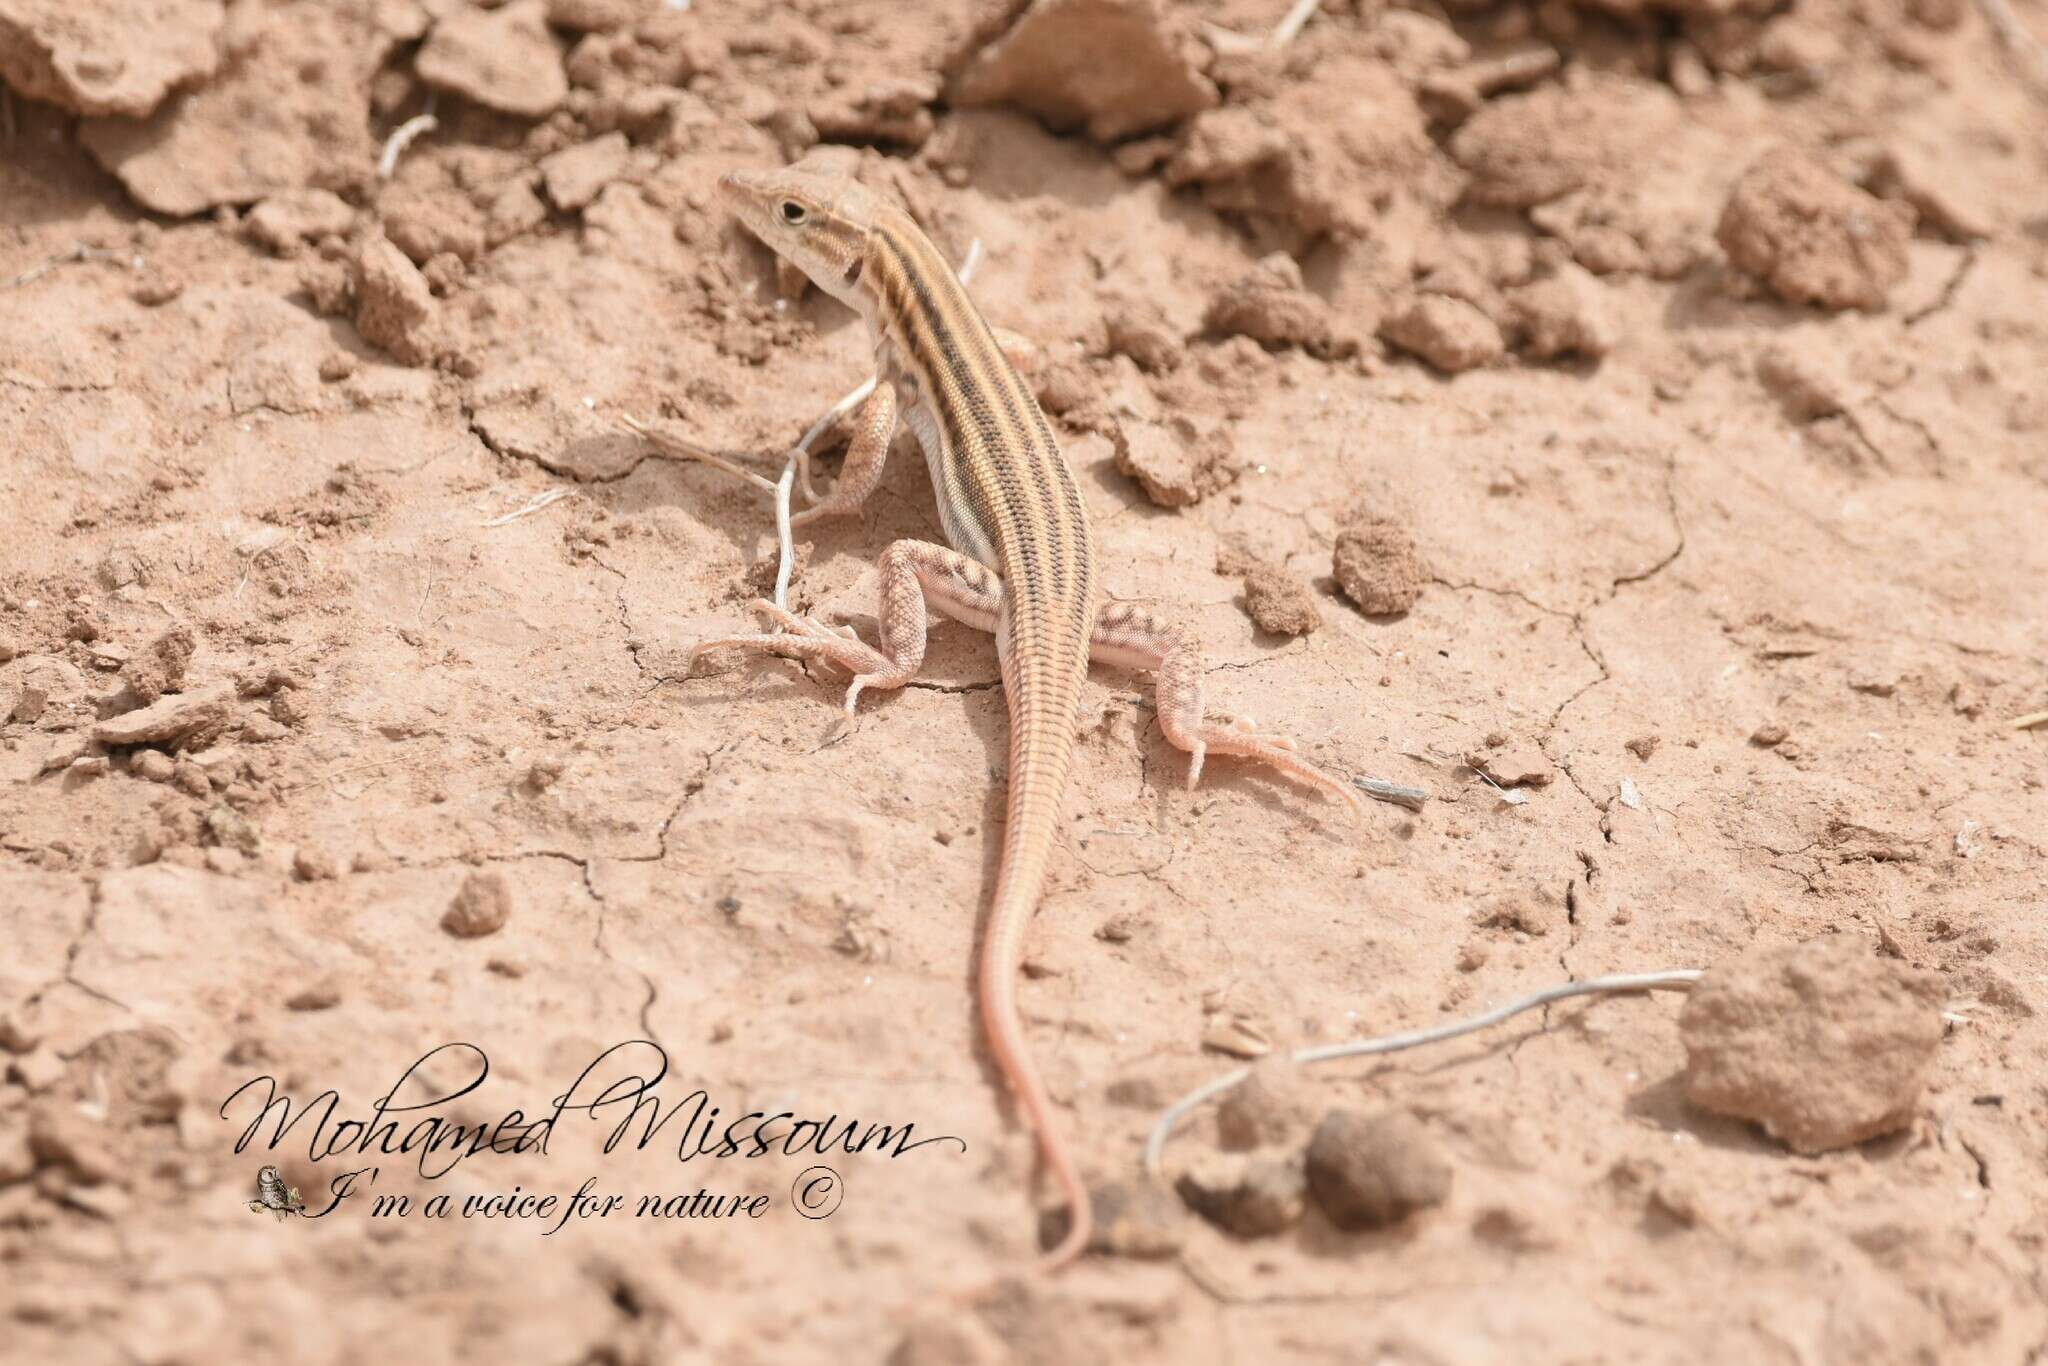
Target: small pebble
[481, 906]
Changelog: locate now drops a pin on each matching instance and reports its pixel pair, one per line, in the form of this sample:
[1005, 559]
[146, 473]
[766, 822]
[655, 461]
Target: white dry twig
[532, 505]
[1293, 22]
[1675, 979]
[79, 253]
[402, 137]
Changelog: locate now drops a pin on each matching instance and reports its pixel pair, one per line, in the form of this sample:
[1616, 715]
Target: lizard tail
[1041, 742]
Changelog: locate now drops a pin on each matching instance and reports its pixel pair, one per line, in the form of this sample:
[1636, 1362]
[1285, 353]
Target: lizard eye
[792, 212]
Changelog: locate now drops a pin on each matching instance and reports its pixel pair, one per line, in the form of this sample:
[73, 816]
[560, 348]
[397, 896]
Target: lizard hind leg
[915, 575]
[1133, 637]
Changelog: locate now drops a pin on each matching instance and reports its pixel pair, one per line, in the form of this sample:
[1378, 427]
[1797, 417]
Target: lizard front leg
[915, 575]
[1136, 638]
[874, 426]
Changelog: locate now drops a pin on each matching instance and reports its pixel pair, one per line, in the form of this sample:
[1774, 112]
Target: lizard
[1021, 563]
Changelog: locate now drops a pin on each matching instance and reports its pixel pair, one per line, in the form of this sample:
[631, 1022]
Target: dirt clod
[1823, 1044]
[395, 310]
[1115, 67]
[107, 59]
[1269, 305]
[181, 720]
[1178, 462]
[425, 226]
[1366, 1171]
[575, 175]
[1522, 765]
[1565, 315]
[503, 59]
[1449, 333]
[1280, 603]
[1378, 566]
[160, 667]
[482, 905]
[285, 222]
[1812, 236]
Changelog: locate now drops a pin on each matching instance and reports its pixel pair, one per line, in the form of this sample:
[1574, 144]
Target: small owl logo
[272, 1194]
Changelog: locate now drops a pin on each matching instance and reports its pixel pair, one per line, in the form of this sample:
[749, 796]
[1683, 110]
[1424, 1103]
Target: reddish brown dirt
[1759, 537]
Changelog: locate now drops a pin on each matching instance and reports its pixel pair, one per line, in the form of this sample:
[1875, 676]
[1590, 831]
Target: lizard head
[819, 222]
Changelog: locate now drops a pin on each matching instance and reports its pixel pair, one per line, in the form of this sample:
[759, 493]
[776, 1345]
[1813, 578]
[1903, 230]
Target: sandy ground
[1730, 533]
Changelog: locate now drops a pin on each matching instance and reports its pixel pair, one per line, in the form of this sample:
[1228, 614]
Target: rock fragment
[1566, 314]
[1514, 766]
[1113, 67]
[1367, 1171]
[1823, 1044]
[292, 110]
[182, 720]
[424, 227]
[1450, 333]
[482, 905]
[1270, 305]
[1315, 157]
[1177, 462]
[502, 59]
[1813, 237]
[285, 221]
[1378, 567]
[160, 667]
[575, 175]
[395, 309]
[108, 59]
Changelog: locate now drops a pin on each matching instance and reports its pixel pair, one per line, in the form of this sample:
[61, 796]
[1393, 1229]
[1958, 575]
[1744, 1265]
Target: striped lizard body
[1022, 563]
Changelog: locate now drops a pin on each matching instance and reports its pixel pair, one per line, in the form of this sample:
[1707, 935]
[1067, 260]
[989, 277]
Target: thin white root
[1676, 979]
[1293, 22]
[402, 137]
[532, 505]
[76, 255]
